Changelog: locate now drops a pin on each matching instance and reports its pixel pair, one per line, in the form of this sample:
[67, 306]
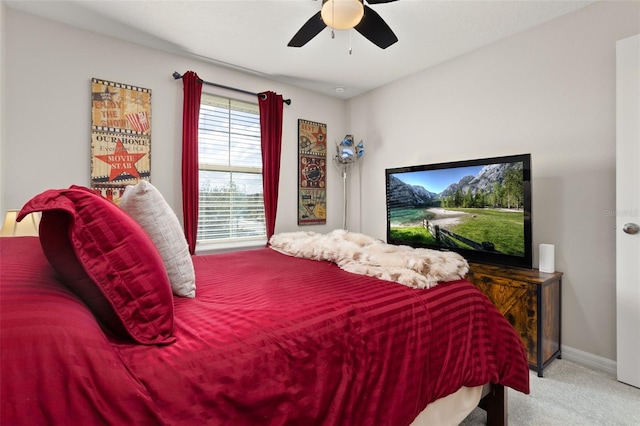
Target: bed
[268, 338]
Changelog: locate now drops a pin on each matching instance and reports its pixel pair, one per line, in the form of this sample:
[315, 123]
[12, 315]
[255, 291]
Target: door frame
[627, 209]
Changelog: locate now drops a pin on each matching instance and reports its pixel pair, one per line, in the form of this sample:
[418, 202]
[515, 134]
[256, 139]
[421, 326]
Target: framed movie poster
[312, 173]
[120, 136]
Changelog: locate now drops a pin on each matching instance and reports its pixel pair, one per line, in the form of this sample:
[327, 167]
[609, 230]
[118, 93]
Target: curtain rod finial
[176, 75]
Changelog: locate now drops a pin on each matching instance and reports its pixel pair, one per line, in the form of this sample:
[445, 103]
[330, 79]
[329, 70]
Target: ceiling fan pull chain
[350, 32]
[333, 18]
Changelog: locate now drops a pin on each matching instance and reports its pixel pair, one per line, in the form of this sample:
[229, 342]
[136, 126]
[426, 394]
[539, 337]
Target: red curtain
[190, 184]
[271, 141]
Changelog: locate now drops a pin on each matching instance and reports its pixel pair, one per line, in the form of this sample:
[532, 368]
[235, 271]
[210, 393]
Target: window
[231, 206]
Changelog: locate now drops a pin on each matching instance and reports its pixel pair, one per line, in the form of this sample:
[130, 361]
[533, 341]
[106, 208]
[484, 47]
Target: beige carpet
[570, 394]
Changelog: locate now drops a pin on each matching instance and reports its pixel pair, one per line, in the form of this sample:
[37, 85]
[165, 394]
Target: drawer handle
[631, 228]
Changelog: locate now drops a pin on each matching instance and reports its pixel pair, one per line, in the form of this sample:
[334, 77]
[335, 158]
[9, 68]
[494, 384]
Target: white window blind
[231, 206]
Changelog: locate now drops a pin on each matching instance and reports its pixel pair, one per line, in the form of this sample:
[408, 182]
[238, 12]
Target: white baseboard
[589, 360]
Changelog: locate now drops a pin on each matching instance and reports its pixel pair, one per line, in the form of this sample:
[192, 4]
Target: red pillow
[108, 260]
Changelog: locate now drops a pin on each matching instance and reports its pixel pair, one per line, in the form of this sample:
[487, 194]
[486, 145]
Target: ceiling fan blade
[379, 1]
[375, 29]
[308, 31]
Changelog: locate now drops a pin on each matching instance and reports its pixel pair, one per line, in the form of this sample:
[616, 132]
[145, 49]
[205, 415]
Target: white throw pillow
[144, 203]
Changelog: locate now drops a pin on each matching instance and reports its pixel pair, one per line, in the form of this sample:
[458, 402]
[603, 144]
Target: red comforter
[269, 339]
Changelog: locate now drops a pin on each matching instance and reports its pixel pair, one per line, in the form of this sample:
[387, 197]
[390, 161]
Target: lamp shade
[27, 226]
[342, 14]
[348, 152]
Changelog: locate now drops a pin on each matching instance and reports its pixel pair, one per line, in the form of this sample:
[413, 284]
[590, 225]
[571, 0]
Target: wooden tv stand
[531, 301]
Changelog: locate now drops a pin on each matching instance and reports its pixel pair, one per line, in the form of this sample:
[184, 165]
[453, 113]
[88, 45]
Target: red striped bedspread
[269, 339]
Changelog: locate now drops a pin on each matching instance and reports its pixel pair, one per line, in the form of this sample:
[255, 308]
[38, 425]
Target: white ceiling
[252, 36]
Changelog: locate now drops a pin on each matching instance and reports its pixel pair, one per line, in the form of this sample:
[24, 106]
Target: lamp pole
[344, 196]
[347, 154]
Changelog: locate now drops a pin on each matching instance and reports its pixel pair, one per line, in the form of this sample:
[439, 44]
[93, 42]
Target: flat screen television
[479, 208]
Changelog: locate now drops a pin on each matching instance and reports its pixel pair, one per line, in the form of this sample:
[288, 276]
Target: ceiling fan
[344, 14]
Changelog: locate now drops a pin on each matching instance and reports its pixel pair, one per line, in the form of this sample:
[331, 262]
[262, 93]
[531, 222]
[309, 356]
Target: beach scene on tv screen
[474, 208]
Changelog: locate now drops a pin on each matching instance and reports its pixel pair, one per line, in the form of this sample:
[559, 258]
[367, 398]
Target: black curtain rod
[176, 75]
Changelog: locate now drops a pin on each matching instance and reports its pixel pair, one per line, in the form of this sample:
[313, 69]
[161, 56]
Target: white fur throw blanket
[364, 255]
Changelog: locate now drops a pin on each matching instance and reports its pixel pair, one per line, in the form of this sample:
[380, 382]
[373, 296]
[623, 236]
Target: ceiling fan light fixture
[342, 14]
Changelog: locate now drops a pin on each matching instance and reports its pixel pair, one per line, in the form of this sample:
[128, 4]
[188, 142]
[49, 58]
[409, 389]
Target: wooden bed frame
[495, 402]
